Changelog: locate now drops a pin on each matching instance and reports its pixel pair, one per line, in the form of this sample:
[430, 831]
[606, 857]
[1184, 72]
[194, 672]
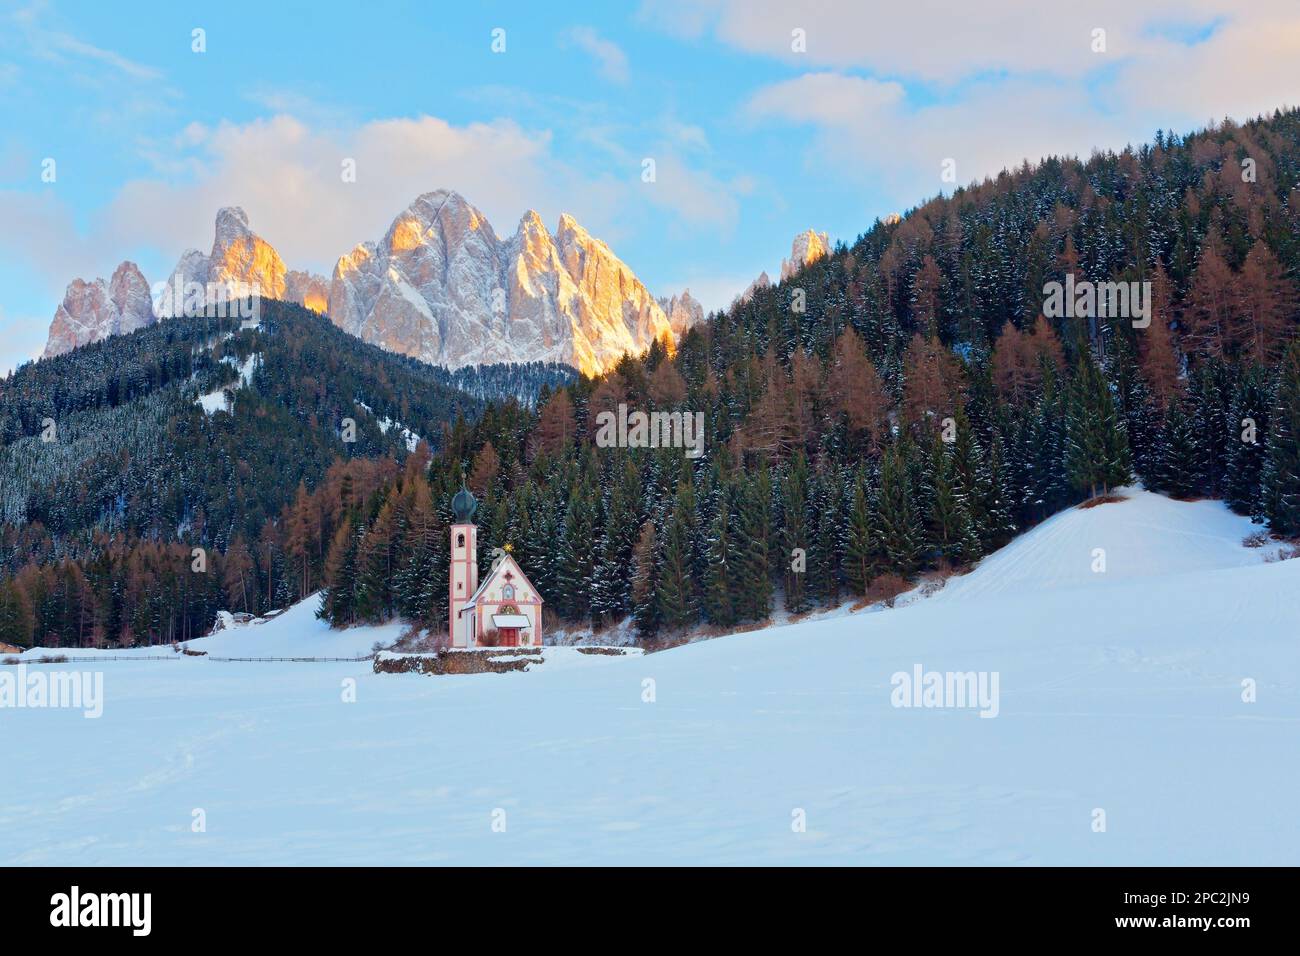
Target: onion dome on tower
[463, 506]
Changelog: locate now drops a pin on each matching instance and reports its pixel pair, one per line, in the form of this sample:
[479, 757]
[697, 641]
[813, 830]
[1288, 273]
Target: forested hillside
[899, 407]
[120, 458]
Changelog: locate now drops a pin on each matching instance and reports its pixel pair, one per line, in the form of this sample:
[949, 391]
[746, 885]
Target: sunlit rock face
[807, 248]
[440, 286]
[683, 311]
[242, 259]
[307, 289]
[443, 287]
[91, 311]
[241, 263]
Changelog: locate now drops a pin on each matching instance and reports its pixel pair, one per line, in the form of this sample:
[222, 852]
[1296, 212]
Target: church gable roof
[508, 563]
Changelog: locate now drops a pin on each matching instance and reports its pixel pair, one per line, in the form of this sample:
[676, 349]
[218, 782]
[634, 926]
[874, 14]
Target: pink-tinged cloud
[943, 42]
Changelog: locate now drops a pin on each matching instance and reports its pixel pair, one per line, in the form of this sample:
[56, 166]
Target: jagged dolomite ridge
[308, 289]
[807, 247]
[762, 282]
[443, 287]
[683, 311]
[440, 286]
[91, 311]
[241, 261]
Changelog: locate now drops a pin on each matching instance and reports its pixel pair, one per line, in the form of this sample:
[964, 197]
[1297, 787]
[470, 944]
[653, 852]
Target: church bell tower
[464, 569]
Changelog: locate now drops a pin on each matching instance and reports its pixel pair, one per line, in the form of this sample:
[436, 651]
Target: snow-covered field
[1119, 691]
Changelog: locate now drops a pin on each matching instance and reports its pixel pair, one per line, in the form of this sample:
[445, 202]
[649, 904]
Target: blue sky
[764, 118]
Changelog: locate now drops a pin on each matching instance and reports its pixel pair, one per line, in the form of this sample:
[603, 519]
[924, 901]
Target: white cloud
[940, 41]
[58, 46]
[40, 231]
[695, 197]
[1005, 94]
[288, 177]
[609, 56]
[863, 131]
[21, 339]
[1248, 66]
[826, 98]
[286, 174]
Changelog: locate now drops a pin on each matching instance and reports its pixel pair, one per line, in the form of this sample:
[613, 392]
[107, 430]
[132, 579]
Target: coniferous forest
[900, 407]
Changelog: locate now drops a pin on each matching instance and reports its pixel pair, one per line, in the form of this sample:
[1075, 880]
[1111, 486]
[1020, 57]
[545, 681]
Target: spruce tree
[619, 520]
[901, 532]
[753, 579]
[576, 555]
[860, 547]
[1281, 479]
[994, 489]
[1247, 441]
[1096, 453]
[338, 600]
[827, 510]
[795, 533]
[717, 600]
[645, 581]
[1210, 398]
[420, 593]
[950, 529]
[1180, 471]
[675, 592]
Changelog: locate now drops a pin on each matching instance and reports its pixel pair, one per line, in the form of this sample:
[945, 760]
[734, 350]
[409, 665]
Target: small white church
[505, 610]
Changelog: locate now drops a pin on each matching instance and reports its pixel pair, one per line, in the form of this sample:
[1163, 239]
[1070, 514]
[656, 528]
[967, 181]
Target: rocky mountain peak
[443, 287]
[94, 310]
[440, 285]
[683, 311]
[241, 263]
[762, 282]
[808, 247]
[231, 226]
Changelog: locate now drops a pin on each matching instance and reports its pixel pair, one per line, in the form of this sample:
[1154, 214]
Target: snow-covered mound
[1166, 704]
[1144, 536]
[295, 633]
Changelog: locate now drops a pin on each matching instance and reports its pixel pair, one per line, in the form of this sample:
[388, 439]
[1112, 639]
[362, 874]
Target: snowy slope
[295, 633]
[1144, 536]
[1120, 691]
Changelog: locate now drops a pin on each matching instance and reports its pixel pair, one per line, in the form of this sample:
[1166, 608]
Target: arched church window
[508, 592]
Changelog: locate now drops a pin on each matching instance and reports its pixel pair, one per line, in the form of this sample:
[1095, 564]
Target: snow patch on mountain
[387, 424]
[221, 399]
